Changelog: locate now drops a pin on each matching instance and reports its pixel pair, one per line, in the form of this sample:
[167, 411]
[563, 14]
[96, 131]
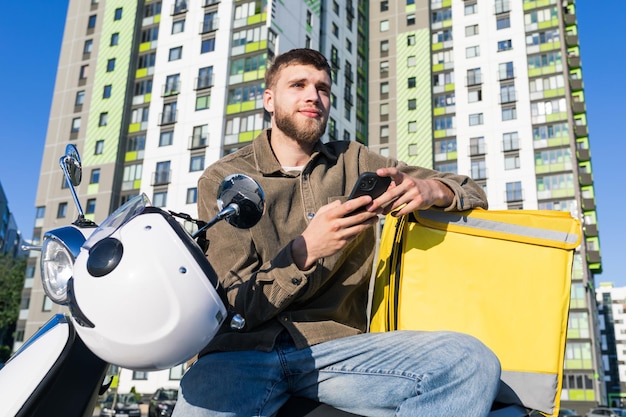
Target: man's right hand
[332, 228]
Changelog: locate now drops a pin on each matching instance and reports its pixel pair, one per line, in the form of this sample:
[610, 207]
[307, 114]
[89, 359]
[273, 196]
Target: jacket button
[296, 281]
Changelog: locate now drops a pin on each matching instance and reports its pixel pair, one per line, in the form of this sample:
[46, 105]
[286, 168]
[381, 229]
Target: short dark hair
[302, 56]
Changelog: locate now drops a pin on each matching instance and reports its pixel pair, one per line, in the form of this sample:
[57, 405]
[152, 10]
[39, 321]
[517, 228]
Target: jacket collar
[266, 161]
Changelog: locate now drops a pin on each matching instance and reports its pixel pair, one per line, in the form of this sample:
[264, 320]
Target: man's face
[300, 102]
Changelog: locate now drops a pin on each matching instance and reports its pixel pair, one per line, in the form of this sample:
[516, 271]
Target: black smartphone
[370, 184]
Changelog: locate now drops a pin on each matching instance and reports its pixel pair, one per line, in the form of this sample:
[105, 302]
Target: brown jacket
[255, 267]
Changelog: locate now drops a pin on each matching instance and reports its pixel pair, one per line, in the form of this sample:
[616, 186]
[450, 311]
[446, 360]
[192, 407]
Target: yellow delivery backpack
[501, 276]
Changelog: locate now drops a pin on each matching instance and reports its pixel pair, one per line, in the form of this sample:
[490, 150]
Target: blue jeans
[403, 373]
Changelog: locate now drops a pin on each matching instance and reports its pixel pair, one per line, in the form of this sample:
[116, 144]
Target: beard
[308, 132]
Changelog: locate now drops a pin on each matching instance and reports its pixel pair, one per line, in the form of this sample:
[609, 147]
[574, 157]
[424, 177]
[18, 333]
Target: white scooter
[140, 267]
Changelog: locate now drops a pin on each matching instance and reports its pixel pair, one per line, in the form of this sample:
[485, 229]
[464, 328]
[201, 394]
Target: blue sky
[30, 42]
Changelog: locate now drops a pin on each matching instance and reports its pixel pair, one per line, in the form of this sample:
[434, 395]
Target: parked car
[566, 412]
[126, 405]
[162, 402]
[606, 412]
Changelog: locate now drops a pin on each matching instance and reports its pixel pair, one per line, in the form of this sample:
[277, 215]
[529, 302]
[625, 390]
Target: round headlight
[56, 269]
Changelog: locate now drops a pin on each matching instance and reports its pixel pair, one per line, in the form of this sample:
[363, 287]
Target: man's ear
[268, 101]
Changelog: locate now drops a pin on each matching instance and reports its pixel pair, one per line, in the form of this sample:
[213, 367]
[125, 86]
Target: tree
[12, 272]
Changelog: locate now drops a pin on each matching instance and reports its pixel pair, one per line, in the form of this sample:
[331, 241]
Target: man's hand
[407, 194]
[331, 229]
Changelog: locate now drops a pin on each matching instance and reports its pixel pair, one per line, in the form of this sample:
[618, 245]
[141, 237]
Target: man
[300, 277]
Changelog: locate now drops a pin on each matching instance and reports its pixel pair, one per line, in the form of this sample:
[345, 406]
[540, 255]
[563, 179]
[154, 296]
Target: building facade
[612, 318]
[152, 92]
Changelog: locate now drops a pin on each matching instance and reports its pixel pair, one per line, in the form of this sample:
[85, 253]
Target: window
[384, 109]
[172, 84]
[192, 195]
[115, 39]
[507, 93]
[146, 60]
[477, 146]
[150, 34]
[335, 30]
[471, 8]
[478, 169]
[509, 113]
[106, 93]
[87, 47]
[503, 22]
[104, 119]
[99, 148]
[162, 174]
[412, 126]
[411, 61]
[130, 175]
[91, 22]
[474, 76]
[169, 113]
[40, 212]
[142, 87]
[511, 162]
[444, 123]
[410, 40]
[384, 5]
[111, 65]
[166, 138]
[504, 45]
[384, 25]
[159, 199]
[136, 143]
[411, 82]
[205, 77]
[384, 46]
[75, 125]
[506, 71]
[62, 210]
[118, 14]
[471, 30]
[84, 71]
[410, 19]
[474, 95]
[441, 15]
[196, 163]
[80, 98]
[384, 131]
[412, 104]
[203, 102]
[384, 88]
[139, 114]
[510, 141]
[94, 178]
[476, 119]
[207, 45]
[200, 137]
[384, 67]
[178, 26]
[472, 51]
[91, 206]
[513, 191]
[175, 53]
[47, 304]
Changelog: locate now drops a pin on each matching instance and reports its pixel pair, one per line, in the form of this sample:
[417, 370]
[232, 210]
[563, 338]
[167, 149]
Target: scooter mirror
[72, 165]
[246, 195]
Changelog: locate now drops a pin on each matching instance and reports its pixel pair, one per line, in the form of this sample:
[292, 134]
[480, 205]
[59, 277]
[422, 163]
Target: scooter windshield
[118, 218]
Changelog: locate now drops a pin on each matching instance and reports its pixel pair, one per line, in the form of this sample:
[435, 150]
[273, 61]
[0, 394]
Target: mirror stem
[230, 210]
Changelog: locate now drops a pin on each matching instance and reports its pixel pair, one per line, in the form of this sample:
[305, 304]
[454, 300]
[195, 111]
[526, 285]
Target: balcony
[207, 3]
[580, 131]
[161, 177]
[576, 84]
[170, 89]
[571, 40]
[203, 82]
[168, 117]
[502, 6]
[583, 154]
[570, 19]
[593, 256]
[210, 25]
[573, 61]
[591, 230]
[588, 204]
[585, 178]
[179, 7]
[475, 79]
[578, 107]
[198, 141]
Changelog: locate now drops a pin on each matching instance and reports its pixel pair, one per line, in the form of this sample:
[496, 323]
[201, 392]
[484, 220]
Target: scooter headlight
[56, 269]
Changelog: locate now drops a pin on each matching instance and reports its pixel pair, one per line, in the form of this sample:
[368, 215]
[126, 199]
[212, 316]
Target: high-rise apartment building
[612, 323]
[493, 89]
[151, 92]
